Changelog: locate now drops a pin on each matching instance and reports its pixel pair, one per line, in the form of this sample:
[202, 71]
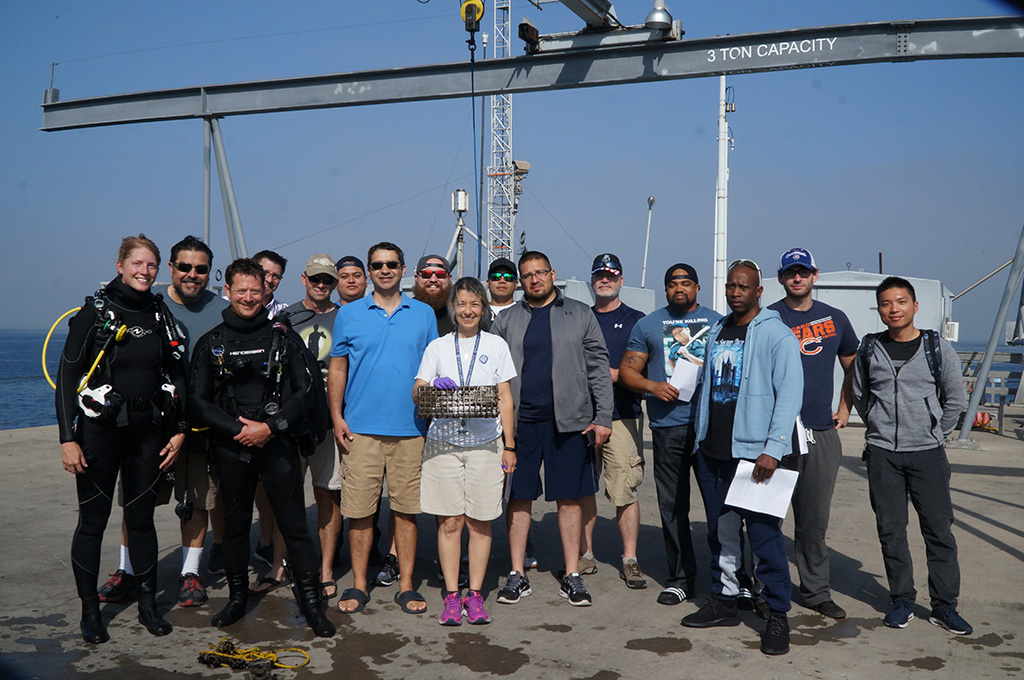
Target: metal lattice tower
[501, 197]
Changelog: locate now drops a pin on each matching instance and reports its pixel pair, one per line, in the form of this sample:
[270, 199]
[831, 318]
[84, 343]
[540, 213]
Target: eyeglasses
[185, 268]
[381, 264]
[501, 276]
[271, 275]
[322, 280]
[535, 275]
[433, 274]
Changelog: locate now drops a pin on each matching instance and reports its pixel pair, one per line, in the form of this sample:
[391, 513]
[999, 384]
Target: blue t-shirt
[666, 337]
[616, 326]
[536, 393]
[384, 354]
[824, 333]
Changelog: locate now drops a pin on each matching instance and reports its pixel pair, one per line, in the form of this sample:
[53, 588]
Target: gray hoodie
[905, 411]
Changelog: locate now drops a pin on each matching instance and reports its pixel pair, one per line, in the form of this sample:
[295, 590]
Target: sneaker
[215, 563]
[672, 596]
[631, 574]
[830, 609]
[388, 573]
[745, 600]
[264, 553]
[120, 585]
[573, 590]
[452, 613]
[531, 556]
[473, 605]
[901, 614]
[775, 639]
[715, 612]
[586, 566]
[192, 592]
[947, 617]
[516, 586]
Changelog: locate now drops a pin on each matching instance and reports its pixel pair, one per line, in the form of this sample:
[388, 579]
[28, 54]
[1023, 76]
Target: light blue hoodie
[771, 389]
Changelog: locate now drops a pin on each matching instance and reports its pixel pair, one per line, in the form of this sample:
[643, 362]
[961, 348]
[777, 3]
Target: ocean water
[27, 399]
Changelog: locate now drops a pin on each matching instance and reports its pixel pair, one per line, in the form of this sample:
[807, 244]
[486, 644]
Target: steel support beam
[978, 37]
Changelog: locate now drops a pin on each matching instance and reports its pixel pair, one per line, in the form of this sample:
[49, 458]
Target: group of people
[229, 393]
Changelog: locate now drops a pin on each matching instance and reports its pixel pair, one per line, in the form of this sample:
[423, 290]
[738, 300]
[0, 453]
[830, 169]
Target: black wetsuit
[218, 401]
[129, 441]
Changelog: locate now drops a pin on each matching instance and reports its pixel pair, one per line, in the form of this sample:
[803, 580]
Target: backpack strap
[864, 352]
[933, 354]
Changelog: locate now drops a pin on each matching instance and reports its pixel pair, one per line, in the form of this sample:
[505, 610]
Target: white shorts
[324, 466]
[462, 481]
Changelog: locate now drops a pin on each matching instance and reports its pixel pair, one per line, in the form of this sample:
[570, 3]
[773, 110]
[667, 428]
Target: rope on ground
[226, 653]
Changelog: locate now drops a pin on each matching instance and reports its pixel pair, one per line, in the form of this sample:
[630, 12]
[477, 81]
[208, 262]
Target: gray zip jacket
[581, 380]
[906, 412]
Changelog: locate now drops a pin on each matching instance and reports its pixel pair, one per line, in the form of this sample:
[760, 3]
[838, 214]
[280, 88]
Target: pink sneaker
[474, 606]
[452, 614]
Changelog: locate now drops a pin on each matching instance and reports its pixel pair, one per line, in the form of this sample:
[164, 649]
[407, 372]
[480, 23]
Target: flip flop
[267, 584]
[353, 594]
[328, 585]
[404, 598]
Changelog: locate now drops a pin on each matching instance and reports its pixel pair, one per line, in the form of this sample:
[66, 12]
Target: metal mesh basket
[479, 401]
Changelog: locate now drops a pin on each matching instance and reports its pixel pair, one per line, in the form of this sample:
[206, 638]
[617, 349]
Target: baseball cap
[797, 257]
[606, 263]
[350, 261]
[502, 263]
[425, 262]
[691, 273]
[321, 263]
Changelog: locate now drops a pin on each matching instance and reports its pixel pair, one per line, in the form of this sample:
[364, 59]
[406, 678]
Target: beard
[436, 300]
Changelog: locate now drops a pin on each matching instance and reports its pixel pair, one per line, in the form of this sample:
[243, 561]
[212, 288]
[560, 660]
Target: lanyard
[472, 361]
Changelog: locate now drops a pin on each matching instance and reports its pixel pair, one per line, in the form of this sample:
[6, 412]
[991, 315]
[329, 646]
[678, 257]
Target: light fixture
[659, 17]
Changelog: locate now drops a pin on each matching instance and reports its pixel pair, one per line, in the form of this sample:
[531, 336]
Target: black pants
[673, 457]
[277, 464]
[134, 451]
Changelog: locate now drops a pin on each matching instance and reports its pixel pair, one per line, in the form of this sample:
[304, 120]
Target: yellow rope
[225, 653]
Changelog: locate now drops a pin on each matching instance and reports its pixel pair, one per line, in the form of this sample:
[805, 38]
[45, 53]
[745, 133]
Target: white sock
[627, 560]
[126, 561]
[190, 560]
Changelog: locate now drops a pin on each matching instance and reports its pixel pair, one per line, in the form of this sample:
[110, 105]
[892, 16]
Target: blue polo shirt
[384, 354]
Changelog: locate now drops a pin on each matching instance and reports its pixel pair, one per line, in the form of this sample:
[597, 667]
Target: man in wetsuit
[252, 389]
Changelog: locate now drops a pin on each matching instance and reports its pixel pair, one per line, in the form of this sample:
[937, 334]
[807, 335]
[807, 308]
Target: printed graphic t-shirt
[316, 331]
[726, 357]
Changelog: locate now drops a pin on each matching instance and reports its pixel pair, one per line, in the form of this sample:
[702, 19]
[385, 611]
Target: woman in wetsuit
[127, 419]
[251, 386]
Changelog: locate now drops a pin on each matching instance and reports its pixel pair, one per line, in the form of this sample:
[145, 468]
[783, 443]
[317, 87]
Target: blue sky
[921, 161]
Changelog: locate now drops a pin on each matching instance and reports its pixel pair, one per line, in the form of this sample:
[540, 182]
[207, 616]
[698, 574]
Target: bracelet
[510, 448]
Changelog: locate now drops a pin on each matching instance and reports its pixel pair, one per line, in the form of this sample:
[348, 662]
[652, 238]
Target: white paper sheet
[770, 497]
[684, 379]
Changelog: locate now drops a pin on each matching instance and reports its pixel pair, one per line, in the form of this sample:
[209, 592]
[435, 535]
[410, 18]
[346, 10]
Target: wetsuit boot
[238, 596]
[306, 588]
[148, 615]
[92, 621]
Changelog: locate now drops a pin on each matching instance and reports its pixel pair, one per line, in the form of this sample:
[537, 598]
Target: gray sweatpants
[812, 502]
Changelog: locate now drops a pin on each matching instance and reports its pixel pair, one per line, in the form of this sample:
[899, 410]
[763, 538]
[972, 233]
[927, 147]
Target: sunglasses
[746, 263]
[185, 268]
[322, 280]
[434, 274]
[381, 264]
[501, 276]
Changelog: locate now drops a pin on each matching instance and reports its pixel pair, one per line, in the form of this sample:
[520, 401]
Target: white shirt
[493, 365]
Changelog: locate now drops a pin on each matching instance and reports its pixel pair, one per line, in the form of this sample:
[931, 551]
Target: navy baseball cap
[350, 261]
[606, 263]
[797, 257]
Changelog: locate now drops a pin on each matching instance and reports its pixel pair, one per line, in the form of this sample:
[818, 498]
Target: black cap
[691, 273]
[606, 263]
[350, 261]
[502, 263]
[440, 263]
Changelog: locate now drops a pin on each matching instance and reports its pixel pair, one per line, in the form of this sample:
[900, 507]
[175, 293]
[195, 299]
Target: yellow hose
[47, 342]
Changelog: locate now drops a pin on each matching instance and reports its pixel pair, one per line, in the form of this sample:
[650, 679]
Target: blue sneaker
[947, 617]
[901, 614]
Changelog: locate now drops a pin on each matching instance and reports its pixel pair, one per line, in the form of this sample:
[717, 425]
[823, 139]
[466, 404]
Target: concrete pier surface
[625, 634]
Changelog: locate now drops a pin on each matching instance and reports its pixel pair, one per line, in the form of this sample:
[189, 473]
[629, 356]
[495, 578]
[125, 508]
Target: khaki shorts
[370, 458]
[324, 466]
[622, 462]
[202, 485]
[462, 481]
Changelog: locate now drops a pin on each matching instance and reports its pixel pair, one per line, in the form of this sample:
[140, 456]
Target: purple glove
[445, 383]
